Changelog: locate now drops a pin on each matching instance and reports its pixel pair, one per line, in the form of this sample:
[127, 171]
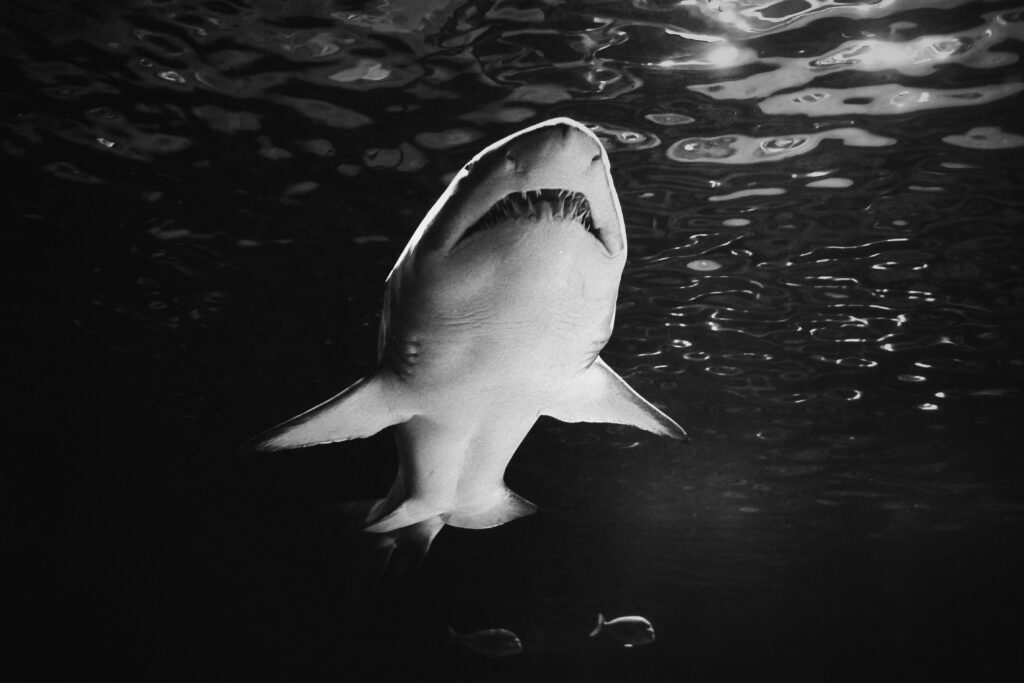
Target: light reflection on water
[824, 287]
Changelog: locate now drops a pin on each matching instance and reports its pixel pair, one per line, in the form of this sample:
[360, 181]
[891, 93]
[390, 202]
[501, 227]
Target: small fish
[629, 631]
[491, 642]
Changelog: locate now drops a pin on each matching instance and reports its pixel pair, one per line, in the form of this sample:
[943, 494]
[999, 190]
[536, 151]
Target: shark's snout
[565, 144]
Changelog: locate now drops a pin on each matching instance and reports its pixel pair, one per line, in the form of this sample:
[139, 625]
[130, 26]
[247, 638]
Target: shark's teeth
[564, 205]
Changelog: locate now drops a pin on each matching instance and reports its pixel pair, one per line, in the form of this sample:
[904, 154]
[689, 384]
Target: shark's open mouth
[562, 205]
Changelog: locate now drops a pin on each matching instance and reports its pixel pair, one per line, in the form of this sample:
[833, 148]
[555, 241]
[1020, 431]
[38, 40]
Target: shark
[494, 315]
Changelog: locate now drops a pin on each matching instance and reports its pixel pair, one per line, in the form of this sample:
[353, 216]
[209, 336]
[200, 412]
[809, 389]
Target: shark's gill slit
[564, 205]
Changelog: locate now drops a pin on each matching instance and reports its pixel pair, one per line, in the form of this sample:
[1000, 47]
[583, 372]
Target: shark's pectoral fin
[362, 410]
[504, 507]
[600, 395]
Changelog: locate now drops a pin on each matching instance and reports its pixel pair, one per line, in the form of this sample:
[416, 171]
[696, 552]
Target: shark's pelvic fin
[412, 511]
[505, 507]
[362, 410]
[600, 395]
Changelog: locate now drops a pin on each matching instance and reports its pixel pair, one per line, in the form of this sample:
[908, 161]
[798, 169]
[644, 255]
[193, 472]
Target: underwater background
[824, 203]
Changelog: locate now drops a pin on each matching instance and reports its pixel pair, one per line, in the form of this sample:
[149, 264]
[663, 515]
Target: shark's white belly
[485, 352]
[482, 389]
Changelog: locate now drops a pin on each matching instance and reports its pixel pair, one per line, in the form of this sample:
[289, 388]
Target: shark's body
[494, 315]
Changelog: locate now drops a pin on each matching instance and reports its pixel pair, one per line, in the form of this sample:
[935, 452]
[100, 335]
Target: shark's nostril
[596, 159]
[512, 162]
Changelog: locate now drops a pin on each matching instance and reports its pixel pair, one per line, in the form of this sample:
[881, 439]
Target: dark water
[824, 203]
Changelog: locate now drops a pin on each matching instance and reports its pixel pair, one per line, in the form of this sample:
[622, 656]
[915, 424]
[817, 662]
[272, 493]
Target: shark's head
[557, 170]
[536, 210]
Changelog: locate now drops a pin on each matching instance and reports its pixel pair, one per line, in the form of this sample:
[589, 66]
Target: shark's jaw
[559, 206]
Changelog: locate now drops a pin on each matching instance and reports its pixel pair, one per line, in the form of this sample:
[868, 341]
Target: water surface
[824, 206]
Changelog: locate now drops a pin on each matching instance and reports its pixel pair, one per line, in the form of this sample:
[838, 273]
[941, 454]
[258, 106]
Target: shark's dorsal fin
[600, 395]
[361, 410]
[505, 507]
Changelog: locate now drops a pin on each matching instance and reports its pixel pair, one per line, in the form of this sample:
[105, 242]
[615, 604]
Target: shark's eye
[597, 158]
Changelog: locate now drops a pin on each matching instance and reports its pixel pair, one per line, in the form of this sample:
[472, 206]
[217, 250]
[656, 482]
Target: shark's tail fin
[410, 548]
[387, 559]
[600, 623]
